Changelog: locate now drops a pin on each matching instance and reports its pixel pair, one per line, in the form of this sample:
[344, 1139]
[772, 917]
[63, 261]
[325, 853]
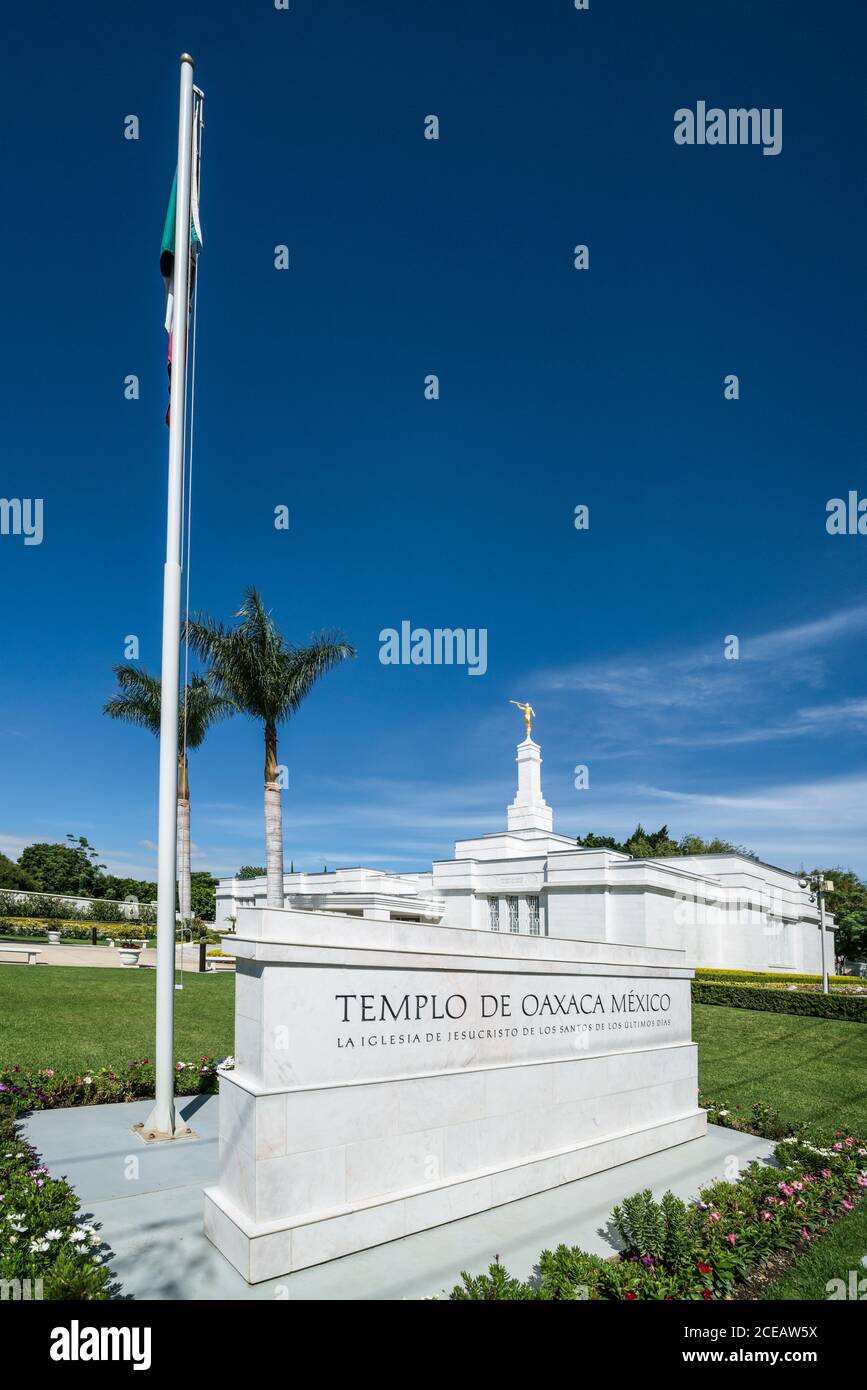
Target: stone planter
[129, 957]
[54, 938]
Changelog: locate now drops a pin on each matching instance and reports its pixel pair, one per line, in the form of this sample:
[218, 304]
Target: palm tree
[266, 677]
[201, 705]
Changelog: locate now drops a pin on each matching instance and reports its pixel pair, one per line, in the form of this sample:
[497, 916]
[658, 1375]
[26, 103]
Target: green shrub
[495, 1286]
[705, 1249]
[98, 910]
[843, 1007]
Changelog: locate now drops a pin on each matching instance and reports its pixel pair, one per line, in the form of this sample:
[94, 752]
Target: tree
[848, 902]
[58, 868]
[658, 844]
[251, 871]
[203, 895]
[13, 876]
[267, 678]
[201, 705]
[120, 888]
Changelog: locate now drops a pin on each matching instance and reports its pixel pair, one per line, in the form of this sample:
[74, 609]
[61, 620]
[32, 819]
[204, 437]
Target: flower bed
[71, 931]
[46, 1088]
[708, 1249]
[43, 1239]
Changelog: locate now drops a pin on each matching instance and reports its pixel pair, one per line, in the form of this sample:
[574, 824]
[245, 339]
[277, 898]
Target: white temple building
[725, 910]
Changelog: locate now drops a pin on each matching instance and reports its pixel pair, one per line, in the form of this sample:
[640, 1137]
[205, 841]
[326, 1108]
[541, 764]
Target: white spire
[529, 810]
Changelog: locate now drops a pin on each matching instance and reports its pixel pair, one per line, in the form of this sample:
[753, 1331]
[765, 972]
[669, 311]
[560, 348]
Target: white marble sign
[392, 1076]
[346, 1025]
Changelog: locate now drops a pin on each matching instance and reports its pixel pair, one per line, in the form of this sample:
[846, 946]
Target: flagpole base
[162, 1124]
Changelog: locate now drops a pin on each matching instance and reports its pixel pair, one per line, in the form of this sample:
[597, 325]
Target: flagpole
[162, 1122]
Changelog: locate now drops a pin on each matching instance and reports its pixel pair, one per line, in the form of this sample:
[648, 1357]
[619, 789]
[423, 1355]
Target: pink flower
[732, 1238]
[847, 1206]
[714, 1216]
[798, 1186]
[805, 1233]
[838, 1148]
[849, 1142]
[826, 1172]
[785, 1189]
[861, 1180]
[767, 1216]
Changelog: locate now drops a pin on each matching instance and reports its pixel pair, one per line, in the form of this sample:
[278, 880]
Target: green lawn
[810, 1069]
[80, 1018]
[838, 1253]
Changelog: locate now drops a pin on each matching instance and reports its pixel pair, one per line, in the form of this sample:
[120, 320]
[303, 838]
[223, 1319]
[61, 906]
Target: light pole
[819, 887]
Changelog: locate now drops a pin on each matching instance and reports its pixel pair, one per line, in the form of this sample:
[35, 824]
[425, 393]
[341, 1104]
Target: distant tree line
[73, 868]
[658, 844]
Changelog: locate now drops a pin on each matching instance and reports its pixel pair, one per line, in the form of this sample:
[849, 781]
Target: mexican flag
[167, 249]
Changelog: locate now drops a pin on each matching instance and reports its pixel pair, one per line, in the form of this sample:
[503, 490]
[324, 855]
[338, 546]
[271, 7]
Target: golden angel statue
[529, 715]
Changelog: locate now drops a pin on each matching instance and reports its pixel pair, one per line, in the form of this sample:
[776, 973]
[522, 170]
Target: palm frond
[138, 702]
[138, 698]
[255, 669]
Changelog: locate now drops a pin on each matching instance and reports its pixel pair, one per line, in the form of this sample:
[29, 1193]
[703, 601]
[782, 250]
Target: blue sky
[558, 388]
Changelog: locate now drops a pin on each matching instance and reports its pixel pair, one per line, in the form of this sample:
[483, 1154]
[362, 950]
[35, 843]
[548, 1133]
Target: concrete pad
[148, 1204]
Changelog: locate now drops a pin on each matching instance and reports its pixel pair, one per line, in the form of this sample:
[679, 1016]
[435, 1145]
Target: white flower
[18, 1226]
[38, 1246]
[88, 1080]
[722, 1112]
[78, 1237]
[54, 1234]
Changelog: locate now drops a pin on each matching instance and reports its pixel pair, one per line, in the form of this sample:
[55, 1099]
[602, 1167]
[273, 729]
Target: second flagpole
[163, 1122]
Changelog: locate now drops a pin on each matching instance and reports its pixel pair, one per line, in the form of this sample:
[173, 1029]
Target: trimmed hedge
[850, 1008]
[46, 905]
[769, 977]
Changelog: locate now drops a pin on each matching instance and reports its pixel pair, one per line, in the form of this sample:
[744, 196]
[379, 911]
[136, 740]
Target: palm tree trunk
[185, 890]
[273, 821]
